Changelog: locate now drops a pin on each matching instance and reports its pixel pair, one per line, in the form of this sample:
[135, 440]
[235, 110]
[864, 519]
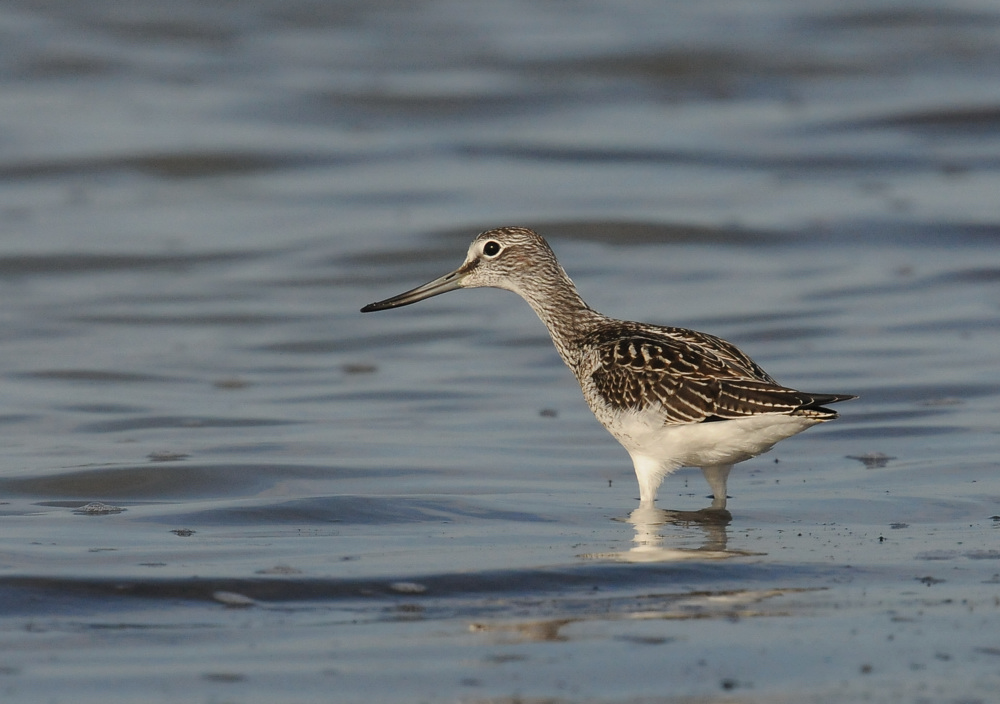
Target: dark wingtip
[823, 399]
[818, 406]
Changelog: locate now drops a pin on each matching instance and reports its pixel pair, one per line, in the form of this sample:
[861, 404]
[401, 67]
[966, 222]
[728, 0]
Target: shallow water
[220, 482]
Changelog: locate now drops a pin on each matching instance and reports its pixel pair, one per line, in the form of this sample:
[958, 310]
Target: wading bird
[672, 397]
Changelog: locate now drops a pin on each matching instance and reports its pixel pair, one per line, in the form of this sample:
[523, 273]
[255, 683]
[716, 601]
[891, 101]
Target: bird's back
[684, 376]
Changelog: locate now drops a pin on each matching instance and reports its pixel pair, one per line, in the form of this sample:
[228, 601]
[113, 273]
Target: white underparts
[659, 450]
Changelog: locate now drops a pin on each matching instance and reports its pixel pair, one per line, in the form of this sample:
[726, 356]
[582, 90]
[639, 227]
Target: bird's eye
[491, 248]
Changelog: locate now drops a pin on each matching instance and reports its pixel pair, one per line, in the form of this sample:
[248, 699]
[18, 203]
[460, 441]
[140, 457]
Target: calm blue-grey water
[219, 482]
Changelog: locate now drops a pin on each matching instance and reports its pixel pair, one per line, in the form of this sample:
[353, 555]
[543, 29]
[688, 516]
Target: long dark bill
[448, 282]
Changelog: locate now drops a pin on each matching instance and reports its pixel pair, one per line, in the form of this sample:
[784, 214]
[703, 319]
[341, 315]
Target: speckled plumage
[693, 377]
[672, 397]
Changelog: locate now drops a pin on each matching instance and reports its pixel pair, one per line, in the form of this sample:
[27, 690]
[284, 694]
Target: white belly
[704, 444]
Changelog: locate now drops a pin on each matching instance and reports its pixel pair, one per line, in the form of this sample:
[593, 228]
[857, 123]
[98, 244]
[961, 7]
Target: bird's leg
[717, 476]
[649, 472]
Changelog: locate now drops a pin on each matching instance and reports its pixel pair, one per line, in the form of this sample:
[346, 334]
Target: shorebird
[672, 397]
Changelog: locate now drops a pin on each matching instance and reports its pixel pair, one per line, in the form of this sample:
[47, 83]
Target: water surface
[220, 482]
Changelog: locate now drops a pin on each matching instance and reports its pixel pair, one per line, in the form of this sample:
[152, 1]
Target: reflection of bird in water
[649, 521]
[672, 397]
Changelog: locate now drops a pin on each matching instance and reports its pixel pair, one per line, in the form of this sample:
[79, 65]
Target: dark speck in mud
[97, 508]
[280, 570]
[166, 456]
[872, 460]
[645, 640]
[223, 677]
[231, 383]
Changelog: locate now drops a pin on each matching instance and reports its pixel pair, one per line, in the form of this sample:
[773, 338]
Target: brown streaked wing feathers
[696, 378]
[722, 348]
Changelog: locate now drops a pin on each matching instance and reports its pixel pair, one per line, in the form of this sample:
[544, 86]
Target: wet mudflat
[220, 482]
